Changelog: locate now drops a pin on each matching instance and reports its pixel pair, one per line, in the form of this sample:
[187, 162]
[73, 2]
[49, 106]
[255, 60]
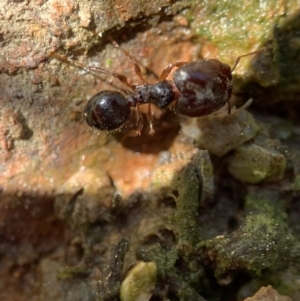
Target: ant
[198, 88]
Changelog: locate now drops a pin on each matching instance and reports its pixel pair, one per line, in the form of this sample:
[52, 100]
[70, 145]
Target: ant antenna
[250, 53]
[122, 78]
[236, 63]
[136, 66]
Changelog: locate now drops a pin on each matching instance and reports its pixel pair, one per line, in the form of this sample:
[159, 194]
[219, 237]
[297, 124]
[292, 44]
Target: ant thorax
[161, 94]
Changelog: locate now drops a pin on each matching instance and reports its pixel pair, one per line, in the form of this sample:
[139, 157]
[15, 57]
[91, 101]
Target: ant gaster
[198, 89]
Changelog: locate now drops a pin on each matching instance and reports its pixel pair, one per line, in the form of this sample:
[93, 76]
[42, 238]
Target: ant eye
[107, 111]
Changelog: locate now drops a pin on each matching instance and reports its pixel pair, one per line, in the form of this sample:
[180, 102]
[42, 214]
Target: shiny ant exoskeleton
[198, 88]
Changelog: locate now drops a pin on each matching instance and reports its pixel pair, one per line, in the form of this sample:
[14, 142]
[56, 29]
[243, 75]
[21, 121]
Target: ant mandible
[198, 88]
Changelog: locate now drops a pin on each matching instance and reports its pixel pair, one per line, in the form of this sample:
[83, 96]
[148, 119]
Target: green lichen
[188, 184]
[226, 25]
[72, 272]
[176, 281]
[164, 259]
[193, 184]
[263, 240]
[237, 28]
[232, 29]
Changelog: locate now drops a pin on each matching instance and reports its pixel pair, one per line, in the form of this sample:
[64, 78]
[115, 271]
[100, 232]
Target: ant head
[107, 111]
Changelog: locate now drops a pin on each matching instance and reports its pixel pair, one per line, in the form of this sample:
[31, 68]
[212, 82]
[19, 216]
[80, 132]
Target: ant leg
[250, 53]
[234, 110]
[136, 66]
[122, 78]
[150, 119]
[225, 110]
[245, 105]
[139, 120]
[165, 73]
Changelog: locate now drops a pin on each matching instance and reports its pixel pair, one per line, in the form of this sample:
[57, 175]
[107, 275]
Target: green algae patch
[228, 30]
[192, 185]
[262, 242]
[225, 27]
[164, 260]
[188, 189]
[175, 281]
[72, 272]
[235, 29]
[189, 184]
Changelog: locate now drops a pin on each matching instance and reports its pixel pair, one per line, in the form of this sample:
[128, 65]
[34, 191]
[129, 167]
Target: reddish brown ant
[198, 88]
